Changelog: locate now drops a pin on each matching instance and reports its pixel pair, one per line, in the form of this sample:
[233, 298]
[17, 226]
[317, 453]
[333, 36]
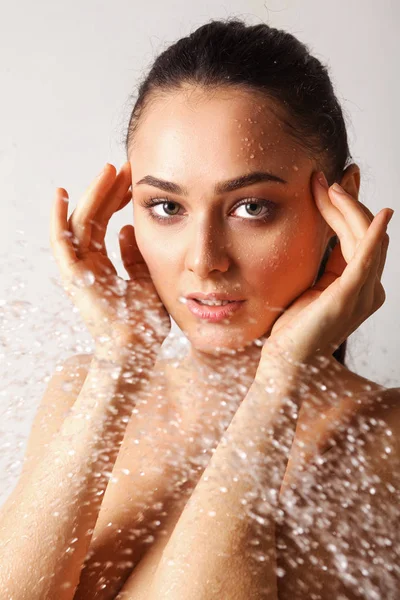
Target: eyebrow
[223, 187]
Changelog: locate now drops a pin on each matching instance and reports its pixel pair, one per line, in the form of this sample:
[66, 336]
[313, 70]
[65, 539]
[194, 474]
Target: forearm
[224, 543]
[46, 532]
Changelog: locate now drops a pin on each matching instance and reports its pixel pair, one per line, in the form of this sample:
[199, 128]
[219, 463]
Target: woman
[229, 120]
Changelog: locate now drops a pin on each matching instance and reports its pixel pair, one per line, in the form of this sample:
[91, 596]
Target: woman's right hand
[118, 313]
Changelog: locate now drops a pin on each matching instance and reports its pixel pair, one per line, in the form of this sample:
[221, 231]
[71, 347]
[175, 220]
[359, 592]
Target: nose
[207, 250]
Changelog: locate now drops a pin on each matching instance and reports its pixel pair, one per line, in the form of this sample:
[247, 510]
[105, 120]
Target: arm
[224, 544]
[46, 530]
[59, 396]
[211, 553]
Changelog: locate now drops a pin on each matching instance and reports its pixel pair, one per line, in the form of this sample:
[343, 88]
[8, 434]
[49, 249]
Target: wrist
[283, 370]
[277, 367]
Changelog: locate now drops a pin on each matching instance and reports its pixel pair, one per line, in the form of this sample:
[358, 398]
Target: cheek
[157, 260]
[284, 263]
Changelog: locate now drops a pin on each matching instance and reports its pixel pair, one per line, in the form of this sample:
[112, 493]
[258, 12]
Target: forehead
[213, 132]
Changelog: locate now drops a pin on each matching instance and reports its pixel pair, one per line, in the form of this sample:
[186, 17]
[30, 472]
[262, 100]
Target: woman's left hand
[349, 291]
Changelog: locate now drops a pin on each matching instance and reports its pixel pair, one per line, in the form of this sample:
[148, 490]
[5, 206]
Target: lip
[213, 314]
[213, 296]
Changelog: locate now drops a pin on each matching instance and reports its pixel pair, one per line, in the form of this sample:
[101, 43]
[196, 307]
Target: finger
[132, 258]
[115, 200]
[370, 293]
[81, 220]
[125, 200]
[367, 256]
[117, 193]
[373, 287]
[384, 249]
[354, 214]
[334, 268]
[369, 214]
[60, 236]
[335, 219]
[101, 246]
[373, 294]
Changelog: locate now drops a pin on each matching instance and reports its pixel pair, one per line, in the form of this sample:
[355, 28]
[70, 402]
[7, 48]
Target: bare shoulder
[373, 432]
[376, 411]
[383, 444]
[372, 396]
[345, 507]
[377, 401]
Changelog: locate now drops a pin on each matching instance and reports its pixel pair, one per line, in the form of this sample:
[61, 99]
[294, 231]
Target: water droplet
[241, 453]
[87, 280]
[149, 539]
[66, 585]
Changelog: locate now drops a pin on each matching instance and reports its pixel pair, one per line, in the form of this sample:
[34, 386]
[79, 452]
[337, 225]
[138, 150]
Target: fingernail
[63, 194]
[337, 188]
[322, 180]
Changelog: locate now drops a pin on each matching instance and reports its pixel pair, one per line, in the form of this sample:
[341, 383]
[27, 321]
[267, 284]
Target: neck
[229, 366]
[211, 388]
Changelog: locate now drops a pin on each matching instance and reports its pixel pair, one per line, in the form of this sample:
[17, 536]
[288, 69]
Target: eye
[167, 208]
[163, 209]
[260, 209]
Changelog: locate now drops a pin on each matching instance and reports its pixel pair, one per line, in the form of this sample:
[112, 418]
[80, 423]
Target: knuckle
[365, 262]
[378, 298]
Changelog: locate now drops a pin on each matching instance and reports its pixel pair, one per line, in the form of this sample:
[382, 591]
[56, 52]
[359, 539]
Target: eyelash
[155, 201]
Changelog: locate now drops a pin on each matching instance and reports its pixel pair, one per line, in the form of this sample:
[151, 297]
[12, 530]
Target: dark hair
[260, 58]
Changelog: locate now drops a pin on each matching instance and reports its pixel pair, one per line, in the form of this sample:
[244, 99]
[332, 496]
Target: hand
[117, 312]
[350, 289]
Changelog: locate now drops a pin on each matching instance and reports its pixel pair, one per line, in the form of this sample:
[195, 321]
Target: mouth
[213, 297]
[212, 301]
[213, 310]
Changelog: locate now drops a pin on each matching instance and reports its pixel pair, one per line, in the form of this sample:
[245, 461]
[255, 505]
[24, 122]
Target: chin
[218, 342]
[214, 338]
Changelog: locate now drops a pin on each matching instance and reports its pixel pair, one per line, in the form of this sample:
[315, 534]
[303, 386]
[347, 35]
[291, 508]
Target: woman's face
[261, 242]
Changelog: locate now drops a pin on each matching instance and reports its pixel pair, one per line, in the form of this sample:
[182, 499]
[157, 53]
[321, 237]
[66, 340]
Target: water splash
[337, 523]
